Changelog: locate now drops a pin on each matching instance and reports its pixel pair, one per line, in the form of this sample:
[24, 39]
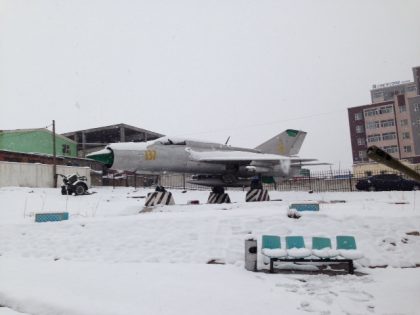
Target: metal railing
[331, 180]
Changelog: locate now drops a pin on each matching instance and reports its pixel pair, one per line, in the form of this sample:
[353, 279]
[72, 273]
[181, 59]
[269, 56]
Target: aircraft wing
[310, 164]
[234, 156]
[295, 161]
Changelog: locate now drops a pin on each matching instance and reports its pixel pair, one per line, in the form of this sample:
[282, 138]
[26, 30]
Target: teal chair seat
[295, 246]
[271, 246]
[322, 248]
[346, 246]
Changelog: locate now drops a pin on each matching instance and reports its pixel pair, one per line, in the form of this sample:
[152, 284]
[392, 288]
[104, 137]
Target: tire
[256, 184]
[160, 188]
[371, 188]
[80, 189]
[416, 187]
[218, 189]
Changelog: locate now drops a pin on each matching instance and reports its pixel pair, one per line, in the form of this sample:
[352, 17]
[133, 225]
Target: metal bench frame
[321, 260]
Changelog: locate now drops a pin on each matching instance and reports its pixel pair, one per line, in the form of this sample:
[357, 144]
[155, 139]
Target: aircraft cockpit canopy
[172, 141]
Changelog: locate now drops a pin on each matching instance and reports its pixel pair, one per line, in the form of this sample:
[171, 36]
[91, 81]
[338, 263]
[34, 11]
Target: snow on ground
[111, 259]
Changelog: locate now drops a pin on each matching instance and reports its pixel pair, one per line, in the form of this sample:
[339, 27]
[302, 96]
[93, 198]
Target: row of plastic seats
[321, 247]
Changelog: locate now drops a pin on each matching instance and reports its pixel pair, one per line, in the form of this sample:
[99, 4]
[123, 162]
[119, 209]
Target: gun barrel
[380, 156]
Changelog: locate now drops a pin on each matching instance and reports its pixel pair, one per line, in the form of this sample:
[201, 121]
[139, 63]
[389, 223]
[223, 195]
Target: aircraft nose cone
[105, 156]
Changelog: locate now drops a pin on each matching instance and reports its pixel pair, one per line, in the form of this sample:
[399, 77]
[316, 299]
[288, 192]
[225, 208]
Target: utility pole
[54, 158]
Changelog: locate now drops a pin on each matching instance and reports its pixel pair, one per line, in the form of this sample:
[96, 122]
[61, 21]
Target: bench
[321, 251]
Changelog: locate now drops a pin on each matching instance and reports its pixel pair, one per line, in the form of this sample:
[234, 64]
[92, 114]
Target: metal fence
[338, 180]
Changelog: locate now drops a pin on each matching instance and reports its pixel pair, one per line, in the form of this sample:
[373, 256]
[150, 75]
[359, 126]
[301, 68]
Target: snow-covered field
[110, 259]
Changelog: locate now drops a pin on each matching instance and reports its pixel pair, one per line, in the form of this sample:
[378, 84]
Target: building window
[65, 148]
[358, 116]
[391, 149]
[362, 154]
[386, 109]
[403, 108]
[416, 107]
[359, 129]
[389, 136]
[372, 124]
[410, 88]
[387, 123]
[371, 112]
[374, 138]
[404, 122]
[406, 135]
[407, 148]
[361, 141]
[378, 94]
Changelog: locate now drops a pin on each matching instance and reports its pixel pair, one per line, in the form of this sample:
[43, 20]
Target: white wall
[36, 174]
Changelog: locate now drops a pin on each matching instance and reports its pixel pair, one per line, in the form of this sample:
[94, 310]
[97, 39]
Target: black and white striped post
[257, 195]
[159, 198]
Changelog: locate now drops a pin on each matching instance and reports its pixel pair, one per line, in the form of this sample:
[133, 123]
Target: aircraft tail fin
[286, 143]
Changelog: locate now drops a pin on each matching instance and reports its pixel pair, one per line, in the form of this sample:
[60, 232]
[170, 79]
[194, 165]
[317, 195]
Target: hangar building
[90, 140]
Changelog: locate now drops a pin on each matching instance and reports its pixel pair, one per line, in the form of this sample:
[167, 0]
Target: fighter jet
[211, 164]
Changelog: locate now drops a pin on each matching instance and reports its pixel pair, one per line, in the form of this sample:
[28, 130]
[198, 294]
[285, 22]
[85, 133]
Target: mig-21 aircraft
[212, 164]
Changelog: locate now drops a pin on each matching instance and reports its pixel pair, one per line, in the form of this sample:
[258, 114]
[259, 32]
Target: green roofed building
[36, 141]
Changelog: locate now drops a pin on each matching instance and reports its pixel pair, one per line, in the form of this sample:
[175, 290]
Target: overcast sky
[204, 69]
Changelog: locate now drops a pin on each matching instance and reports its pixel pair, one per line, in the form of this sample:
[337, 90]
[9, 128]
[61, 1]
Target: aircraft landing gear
[218, 195]
[257, 192]
[218, 189]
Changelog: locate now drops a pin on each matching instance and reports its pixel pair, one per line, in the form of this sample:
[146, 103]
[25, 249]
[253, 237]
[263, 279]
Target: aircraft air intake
[105, 156]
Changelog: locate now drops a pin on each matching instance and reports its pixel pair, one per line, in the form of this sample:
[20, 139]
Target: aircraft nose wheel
[160, 188]
[218, 189]
[256, 183]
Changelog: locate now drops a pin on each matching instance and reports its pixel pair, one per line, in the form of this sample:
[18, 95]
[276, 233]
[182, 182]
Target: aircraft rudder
[286, 143]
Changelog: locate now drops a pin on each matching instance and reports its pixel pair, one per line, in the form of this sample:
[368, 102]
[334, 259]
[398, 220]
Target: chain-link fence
[331, 180]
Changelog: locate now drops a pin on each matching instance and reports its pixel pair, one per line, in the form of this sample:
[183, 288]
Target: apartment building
[391, 121]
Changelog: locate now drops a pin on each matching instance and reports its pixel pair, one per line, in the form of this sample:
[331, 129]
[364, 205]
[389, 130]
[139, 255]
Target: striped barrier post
[257, 195]
[218, 198]
[159, 198]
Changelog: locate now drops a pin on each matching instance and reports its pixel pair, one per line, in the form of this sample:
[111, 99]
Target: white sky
[205, 69]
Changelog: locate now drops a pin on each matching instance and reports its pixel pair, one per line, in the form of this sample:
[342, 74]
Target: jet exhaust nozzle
[380, 156]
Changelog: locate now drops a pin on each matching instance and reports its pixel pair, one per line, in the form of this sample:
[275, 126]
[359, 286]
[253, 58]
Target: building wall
[397, 131]
[414, 106]
[387, 93]
[416, 75]
[402, 114]
[36, 175]
[357, 134]
[381, 123]
[36, 141]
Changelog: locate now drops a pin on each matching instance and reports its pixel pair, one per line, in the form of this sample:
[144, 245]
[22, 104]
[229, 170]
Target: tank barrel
[380, 156]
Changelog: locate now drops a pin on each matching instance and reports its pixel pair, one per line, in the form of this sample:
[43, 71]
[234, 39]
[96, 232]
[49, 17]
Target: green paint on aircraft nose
[105, 156]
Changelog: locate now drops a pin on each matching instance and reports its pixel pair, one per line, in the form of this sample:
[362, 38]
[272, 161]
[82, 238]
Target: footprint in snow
[358, 296]
[307, 307]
